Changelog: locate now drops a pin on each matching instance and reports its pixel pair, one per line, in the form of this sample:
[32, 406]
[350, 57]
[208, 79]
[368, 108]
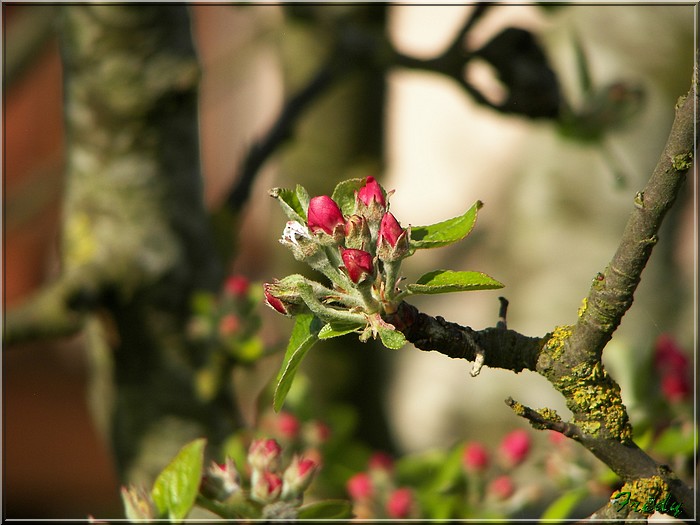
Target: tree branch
[570, 356]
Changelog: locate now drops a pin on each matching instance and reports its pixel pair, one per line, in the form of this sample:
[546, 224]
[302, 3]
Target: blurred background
[554, 209]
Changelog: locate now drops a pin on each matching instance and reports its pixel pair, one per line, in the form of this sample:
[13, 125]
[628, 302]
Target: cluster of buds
[360, 252]
[225, 324]
[270, 482]
[374, 492]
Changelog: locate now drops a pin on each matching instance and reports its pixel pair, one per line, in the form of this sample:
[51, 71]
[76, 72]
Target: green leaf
[304, 335]
[302, 198]
[562, 507]
[445, 232]
[175, 490]
[445, 281]
[392, 339]
[675, 440]
[344, 194]
[326, 510]
[331, 330]
[291, 203]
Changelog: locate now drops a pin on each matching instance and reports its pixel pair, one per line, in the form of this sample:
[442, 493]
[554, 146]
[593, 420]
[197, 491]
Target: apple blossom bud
[371, 192]
[287, 426]
[392, 242]
[266, 488]
[272, 301]
[324, 214]
[298, 476]
[675, 386]
[358, 263]
[138, 505]
[220, 480]
[668, 354]
[501, 487]
[399, 504]
[475, 457]
[515, 447]
[359, 486]
[236, 285]
[264, 454]
[229, 325]
[316, 433]
[381, 461]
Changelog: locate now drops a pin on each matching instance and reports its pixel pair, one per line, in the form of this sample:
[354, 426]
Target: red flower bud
[515, 446]
[358, 263]
[298, 476]
[668, 354]
[236, 285]
[381, 461]
[371, 192]
[475, 457]
[287, 425]
[220, 480]
[501, 487]
[267, 487]
[399, 504]
[390, 230]
[324, 214]
[229, 325]
[359, 486]
[675, 386]
[272, 301]
[264, 454]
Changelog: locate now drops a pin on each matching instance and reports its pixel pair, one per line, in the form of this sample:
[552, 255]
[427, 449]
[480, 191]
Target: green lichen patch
[682, 161]
[584, 306]
[646, 489]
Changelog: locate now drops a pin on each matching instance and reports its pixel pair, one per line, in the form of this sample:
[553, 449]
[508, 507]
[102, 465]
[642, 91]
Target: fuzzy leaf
[446, 281]
[175, 490]
[331, 330]
[391, 338]
[290, 202]
[445, 232]
[304, 335]
[326, 510]
[344, 195]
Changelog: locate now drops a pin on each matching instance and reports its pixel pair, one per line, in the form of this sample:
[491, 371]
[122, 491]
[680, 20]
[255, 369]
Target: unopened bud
[392, 242]
[358, 263]
[515, 447]
[360, 486]
[264, 454]
[298, 476]
[399, 504]
[475, 457]
[220, 480]
[266, 488]
[138, 505]
[324, 215]
[357, 234]
[501, 487]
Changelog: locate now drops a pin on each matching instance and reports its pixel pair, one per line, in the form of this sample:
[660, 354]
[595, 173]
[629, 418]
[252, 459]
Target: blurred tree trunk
[136, 243]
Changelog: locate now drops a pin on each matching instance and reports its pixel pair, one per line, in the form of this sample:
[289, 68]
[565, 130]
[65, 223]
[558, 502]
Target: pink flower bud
[237, 285]
[264, 454]
[675, 386]
[371, 192]
[515, 447]
[272, 301]
[358, 263]
[390, 230]
[324, 214]
[287, 425]
[359, 486]
[399, 504]
[475, 457]
[668, 355]
[501, 487]
[316, 433]
[229, 325]
[381, 461]
[267, 487]
[220, 480]
[298, 476]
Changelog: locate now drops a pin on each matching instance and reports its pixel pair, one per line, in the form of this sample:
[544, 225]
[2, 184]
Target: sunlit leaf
[446, 281]
[445, 232]
[344, 194]
[331, 330]
[290, 203]
[304, 335]
[175, 490]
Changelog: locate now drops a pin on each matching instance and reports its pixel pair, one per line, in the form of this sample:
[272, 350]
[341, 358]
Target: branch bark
[570, 357]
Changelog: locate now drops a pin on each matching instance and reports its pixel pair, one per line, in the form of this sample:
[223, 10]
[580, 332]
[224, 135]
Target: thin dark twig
[280, 131]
